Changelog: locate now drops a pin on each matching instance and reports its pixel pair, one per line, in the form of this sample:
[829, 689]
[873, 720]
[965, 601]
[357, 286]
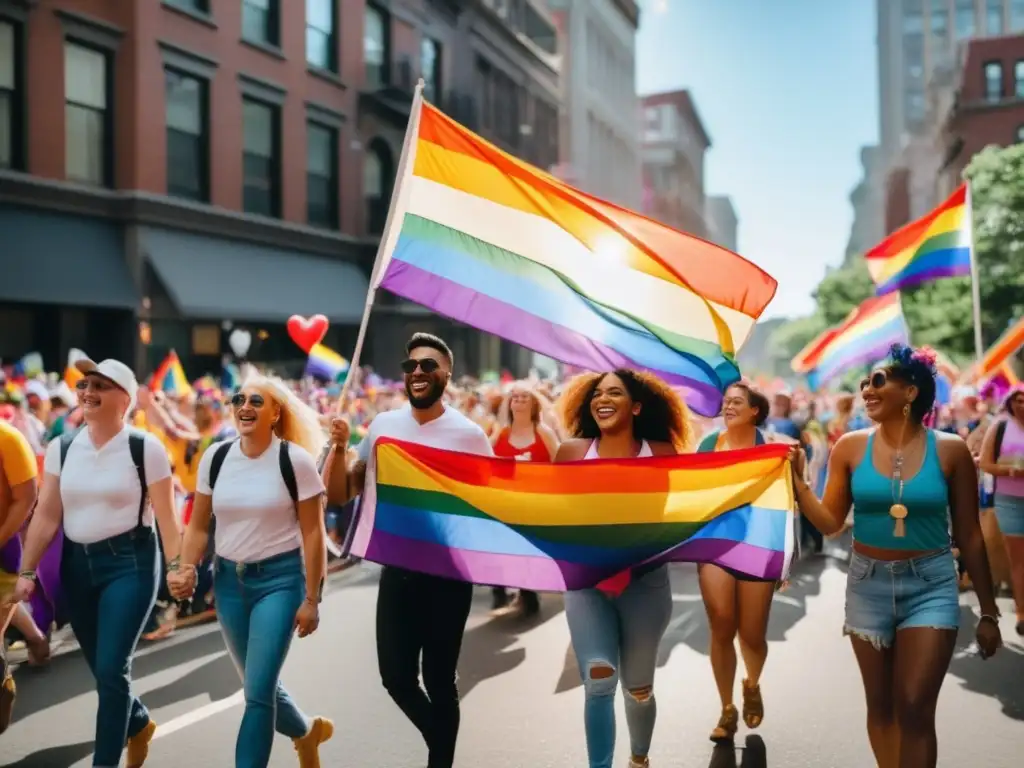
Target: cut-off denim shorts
[885, 596]
[1010, 514]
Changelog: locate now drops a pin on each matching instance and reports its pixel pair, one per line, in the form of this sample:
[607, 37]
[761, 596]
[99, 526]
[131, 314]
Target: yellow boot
[138, 745]
[308, 747]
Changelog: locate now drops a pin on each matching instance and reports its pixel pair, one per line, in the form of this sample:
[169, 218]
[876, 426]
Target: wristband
[29, 574]
[989, 617]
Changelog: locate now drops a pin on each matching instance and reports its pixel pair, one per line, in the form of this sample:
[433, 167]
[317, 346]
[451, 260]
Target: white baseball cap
[114, 370]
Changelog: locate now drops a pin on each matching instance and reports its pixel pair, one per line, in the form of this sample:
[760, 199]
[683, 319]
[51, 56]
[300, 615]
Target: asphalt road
[522, 699]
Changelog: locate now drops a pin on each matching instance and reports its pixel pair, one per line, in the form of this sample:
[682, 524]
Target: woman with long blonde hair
[270, 546]
[520, 434]
[616, 629]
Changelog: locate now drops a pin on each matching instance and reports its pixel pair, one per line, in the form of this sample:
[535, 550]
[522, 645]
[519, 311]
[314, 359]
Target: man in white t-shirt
[417, 613]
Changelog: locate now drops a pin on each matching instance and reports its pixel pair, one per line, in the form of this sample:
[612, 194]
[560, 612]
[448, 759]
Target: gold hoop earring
[906, 411]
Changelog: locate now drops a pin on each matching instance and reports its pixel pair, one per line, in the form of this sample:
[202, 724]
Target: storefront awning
[209, 278]
[52, 258]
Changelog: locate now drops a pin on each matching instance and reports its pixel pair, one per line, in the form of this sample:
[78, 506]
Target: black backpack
[136, 446]
[284, 459]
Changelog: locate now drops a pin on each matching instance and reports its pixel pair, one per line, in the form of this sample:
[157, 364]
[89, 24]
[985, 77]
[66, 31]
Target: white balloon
[240, 342]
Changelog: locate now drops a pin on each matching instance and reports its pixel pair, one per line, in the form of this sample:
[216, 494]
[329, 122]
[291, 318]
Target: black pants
[421, 614]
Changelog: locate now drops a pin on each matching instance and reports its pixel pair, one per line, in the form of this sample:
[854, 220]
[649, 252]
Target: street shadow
[486, 649]
[999, 677]
[753, 754]
[36, 695]
[63, 756]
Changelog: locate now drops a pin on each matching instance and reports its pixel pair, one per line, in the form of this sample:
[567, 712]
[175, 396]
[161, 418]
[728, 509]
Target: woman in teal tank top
[737, 604]
[907, 485]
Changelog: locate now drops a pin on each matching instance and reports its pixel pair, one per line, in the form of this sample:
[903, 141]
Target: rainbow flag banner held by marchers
[559, 527]
[482, 237]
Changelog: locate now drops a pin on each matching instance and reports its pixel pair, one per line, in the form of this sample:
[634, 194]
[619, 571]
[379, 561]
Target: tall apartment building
[674, 142]
[722, 222]
[600, 143]
[917, 38]
[230, 162]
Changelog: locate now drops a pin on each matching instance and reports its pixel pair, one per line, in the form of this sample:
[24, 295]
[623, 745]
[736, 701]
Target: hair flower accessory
[926, 356]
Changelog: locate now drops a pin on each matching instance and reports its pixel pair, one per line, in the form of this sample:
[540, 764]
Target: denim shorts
[1010, 514]
[885, 596]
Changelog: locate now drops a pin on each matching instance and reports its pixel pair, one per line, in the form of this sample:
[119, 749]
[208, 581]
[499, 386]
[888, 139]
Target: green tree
[843, 289]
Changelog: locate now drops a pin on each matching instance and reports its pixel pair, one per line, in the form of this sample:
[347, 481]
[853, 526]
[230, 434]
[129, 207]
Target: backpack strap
[137, 449]
[1000, 435]
[219, 454]
[65, 444]
[288, 472]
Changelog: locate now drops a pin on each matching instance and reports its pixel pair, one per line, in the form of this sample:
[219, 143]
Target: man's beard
[434, 394]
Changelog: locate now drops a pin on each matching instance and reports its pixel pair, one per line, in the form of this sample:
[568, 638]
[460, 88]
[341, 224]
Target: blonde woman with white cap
[104, 485]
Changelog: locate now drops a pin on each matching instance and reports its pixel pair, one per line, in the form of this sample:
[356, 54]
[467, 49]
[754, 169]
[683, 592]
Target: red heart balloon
[307, 332]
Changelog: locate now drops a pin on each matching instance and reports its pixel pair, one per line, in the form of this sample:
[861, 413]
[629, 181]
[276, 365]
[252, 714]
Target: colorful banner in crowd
[325, 363]
[170, 377]
[936, 245]
[860, 340]
[490, 241]
[557, 527]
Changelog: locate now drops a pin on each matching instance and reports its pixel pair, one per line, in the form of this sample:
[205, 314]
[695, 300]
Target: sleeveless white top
[645, 451]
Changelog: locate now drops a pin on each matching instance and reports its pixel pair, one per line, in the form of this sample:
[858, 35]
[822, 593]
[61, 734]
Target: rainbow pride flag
[557, 527]
[490, 241]
[170, 377]
[325, 363]
[937, 245]
[863, 338]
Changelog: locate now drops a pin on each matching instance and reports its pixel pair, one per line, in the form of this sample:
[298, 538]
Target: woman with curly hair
[521, 435]
[908, 485]
[737, 604]
[616, 632]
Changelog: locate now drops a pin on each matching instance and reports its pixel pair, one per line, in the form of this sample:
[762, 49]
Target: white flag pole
[392, 226]
[979, 345]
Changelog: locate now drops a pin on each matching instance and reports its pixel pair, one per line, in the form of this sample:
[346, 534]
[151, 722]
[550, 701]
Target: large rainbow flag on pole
[490, 241]
[557, 527]
[936, 245]
[861, 339]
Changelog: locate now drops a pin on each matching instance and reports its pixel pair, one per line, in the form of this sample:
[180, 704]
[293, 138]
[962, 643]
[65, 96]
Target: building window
[994, 17]
[320, 38]
[87, 121]
[1018, 77]
[1016, 15]
[964, 19]
[10, 97]
[260, 21]
[1020, 134]
[199, 6]
[913, 22]
[187, 137]
[993, 81]
[378, 173]
[939, 16]
[322, 175]
[430, 69]
[376, 47]
[261, 158]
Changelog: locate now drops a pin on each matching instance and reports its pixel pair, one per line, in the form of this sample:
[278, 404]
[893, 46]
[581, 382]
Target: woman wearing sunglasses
[99, 484]
[907, 485]
[270, 557]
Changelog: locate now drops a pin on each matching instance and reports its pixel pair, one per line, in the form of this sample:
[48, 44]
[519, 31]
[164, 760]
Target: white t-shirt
[256, 518]
[99, 488]
[451, 431]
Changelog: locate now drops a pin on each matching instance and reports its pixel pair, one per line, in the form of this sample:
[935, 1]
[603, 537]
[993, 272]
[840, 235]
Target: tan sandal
[727, 726]
[753, 704]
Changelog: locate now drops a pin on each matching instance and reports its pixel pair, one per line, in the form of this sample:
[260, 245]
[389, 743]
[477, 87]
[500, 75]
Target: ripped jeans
[885, 596]
[617, 638]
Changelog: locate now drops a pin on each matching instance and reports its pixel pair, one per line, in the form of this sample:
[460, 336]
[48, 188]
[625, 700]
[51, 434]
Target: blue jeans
[111, 587]
[885, 596]
[256, 605]
[1010, 514]
[622, 633]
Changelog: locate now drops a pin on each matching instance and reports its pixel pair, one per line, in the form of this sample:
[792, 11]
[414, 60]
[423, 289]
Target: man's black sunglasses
[427, 365]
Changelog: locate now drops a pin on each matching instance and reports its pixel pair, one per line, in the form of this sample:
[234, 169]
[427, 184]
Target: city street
[522, 699]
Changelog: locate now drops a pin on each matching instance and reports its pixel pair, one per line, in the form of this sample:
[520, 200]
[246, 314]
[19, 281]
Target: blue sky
[787, 90]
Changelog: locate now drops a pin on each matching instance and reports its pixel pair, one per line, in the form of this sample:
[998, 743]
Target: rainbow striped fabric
[170, 377]
[557, 527]
[934, 246]
[863, 338]
[325, 363]
[493, 242]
